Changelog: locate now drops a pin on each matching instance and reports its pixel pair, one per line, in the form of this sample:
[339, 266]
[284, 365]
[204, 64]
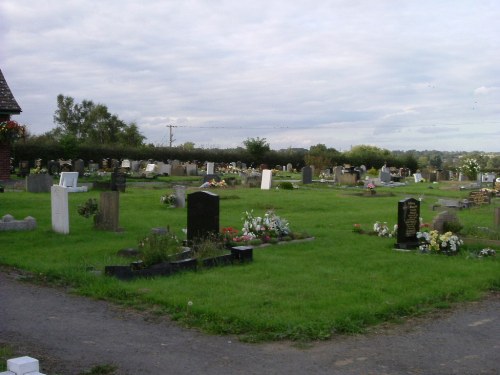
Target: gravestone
[59, 209]
[385, 177]
[210, 177]
[307, 175]
[417, 176]
[79, 166]
[210, 168]
[109, 211]
[202, 215]
[126, 163]
[178, 170]
[408, 223]
[53, 167]
[191, 169]
[180, 196]
[93, 167]
[267, 179]
[289, 167]
[135, 165]
[24, 168]
[348, 179]
[337, 173]
[118, 181]
[444, 217]
[164, 169]
[38, 183]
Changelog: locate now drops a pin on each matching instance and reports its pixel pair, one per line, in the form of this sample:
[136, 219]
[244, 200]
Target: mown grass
[341, 282]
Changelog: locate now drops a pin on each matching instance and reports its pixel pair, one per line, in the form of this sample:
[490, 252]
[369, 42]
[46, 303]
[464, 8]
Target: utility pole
[171, 135]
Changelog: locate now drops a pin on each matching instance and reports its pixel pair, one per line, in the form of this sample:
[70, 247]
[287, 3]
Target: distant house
[8, 104]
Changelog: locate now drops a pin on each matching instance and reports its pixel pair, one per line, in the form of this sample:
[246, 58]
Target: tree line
[89, 131]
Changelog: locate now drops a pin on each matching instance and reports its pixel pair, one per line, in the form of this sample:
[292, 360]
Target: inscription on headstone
[408, 223]
[479, 197]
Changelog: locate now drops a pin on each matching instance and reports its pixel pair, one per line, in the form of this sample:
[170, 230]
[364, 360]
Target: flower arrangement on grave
[382, 229]
[269, 226]
[168, 199]
[218, 184]
[470, 168]
[486, 252]
[434, 242]
[89, 208]
[371, 188]
[11, 131]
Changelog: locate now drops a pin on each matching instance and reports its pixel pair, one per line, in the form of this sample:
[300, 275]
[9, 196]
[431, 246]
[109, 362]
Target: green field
[341, 282]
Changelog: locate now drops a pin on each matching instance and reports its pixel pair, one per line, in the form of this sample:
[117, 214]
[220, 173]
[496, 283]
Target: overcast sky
[396, 74]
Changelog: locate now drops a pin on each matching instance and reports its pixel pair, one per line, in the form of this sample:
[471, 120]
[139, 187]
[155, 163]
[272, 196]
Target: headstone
[210, 168]
[109, 211]
[267, 179]
[126, 163]
[385, 177]
[417, 176]
[53, 167]
[202, 215]
[289, 167]
[164, 169]
[24, 168]
[442, 218]
[38, 183]
[93, 167]
[348, 179]
[180, 196]
[79, 166]
[210, 177]
[191, 169]
[118, 181]
[337, 173]
[115, 163]
[307, 175]
[408, 223]
[59, 206]
[135, 165]
[178, 170]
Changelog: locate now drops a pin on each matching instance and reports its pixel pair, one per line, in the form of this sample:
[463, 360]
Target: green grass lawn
[341, 282]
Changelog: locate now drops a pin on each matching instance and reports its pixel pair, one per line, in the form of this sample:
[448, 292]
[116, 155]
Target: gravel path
[71, 334]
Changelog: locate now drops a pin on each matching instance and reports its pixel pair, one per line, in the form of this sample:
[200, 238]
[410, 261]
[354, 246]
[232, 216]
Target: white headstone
[126, 163]
[60, 212]
[150, 168]
[267, 179]
[417, 177]
[210, 168]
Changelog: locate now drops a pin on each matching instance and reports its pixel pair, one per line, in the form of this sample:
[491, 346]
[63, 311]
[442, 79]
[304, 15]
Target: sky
[395, 74]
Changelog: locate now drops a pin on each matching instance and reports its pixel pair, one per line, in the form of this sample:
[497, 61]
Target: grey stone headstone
[118, 181]
[180, 196]
[38, 183]
[289, 167]
[385, 177]
[191, 169]
[109, 210]
[202, 215]
[307, 175]
[408, 223]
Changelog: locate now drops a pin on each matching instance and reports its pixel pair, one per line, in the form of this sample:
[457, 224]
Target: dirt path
[70, 334]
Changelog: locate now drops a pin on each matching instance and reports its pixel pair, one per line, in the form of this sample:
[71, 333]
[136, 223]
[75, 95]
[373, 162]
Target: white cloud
[339, 72]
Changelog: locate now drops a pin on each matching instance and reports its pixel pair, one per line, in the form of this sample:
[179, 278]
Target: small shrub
[285, 185]
[89, 208]
[158, 247]
[452, 226]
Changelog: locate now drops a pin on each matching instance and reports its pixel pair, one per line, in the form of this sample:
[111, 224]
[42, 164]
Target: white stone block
[23, 365]
[60, 211]
[267, 179]
[7, 373]
[210, 168]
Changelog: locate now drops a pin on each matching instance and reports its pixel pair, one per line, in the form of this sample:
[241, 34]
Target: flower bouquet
[434, 242]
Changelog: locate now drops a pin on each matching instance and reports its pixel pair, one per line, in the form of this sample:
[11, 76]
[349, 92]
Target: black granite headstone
[408, 223]
[202, 215]
[307, 175]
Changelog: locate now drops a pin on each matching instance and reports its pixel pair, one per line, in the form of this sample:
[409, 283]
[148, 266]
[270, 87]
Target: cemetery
[341, 282]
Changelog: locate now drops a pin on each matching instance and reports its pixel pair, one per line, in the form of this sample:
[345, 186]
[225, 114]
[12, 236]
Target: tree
[321, 157]
[370, 156]
[257, 147]
[92, 123]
